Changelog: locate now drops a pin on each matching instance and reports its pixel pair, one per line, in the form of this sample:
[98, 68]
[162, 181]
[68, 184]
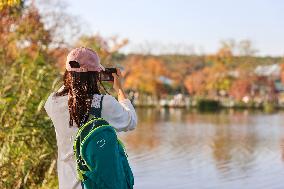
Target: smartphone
[107, 74]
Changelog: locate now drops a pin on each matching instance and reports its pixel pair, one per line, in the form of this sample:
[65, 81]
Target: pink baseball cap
[88, 60]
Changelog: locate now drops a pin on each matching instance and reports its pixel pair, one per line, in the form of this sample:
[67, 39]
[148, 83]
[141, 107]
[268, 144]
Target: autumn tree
[196, 82]
[180, 66]
[246, 48]
[214, 79]
[210, 81]
[282, 72]
[144, 74]
[10, 17]
[224, 55]
[240, 88]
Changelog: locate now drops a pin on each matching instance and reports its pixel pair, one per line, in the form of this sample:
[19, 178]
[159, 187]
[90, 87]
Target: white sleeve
[120, 114]
[48, 105]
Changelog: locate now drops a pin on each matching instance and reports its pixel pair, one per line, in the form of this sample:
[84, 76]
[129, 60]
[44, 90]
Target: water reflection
[174, 148]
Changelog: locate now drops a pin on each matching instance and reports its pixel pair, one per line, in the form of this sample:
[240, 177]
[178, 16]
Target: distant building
[273, 70]
[270, 86]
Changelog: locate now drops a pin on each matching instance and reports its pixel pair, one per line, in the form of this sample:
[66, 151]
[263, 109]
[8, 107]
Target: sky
[193, 25]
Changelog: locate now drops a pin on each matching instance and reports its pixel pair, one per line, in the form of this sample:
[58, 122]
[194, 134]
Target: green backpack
[101, 158]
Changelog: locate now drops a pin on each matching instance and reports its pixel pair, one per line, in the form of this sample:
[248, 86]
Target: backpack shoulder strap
[97, 104]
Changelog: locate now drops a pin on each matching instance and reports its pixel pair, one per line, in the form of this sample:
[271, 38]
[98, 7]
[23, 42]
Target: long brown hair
[80, 88]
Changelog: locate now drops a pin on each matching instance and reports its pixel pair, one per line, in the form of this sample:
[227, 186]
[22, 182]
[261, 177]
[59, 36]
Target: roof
[268, 70]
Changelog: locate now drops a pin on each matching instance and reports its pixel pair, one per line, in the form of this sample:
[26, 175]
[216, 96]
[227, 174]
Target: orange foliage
[143, 74]
[282, 72]
[207, 81]
[196, 82]
[241, 88]
[223, 56]
[21, 31]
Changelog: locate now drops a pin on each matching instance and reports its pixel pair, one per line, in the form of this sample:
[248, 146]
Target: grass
[27, 139]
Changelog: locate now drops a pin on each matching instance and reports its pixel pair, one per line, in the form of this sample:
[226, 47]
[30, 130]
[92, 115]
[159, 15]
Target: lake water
[174, 148]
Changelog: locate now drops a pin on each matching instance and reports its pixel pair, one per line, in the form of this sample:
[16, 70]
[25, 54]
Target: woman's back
[120, 114]
[72, 104]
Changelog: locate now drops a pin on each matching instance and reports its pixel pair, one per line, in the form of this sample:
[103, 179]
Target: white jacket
[120, 114]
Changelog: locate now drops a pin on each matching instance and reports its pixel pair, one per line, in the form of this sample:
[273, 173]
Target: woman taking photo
[71, 105]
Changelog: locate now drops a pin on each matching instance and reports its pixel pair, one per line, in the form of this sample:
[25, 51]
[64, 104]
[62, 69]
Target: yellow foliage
[9, 3]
